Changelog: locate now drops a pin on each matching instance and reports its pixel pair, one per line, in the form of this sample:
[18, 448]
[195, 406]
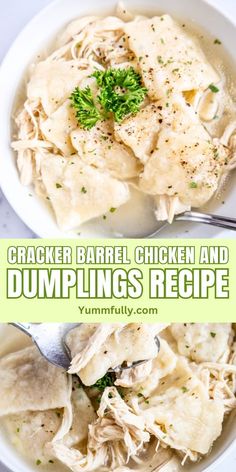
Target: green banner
[118, 280]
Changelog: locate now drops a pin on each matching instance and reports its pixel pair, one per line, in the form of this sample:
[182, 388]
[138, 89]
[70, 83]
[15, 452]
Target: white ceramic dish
[16, 463]
[34, 38]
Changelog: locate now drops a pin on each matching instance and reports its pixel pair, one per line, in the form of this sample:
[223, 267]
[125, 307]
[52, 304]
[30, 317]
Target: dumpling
[83, 415]
[30, 431]
[99, 148]
[146, 377]
[58, 127]
[29, 382]
[131, 343]
[181, 413]
[140, 132]
[186, 162]
[203, 342]
[86, 340]
[169, 58]
[79, 192]
[52, 82]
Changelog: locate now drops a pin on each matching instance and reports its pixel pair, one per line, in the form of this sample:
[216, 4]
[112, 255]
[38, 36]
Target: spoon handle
[209, 219]
[50, 339]
[25, 327]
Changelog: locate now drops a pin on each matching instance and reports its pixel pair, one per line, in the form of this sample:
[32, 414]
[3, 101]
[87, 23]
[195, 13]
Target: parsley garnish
[87, 112]
[112, 210]
[193, 185]
[217, 41]
[213, 335]
[184, 389]
[58, 186]
[83, 190]
[121, 91]
[106, 381]
[213, 88]
[38, 462]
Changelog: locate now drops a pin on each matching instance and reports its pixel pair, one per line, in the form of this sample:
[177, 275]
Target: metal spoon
[50, 339]
[205, 218]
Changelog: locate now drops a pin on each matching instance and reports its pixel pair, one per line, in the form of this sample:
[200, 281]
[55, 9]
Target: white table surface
[14, 15]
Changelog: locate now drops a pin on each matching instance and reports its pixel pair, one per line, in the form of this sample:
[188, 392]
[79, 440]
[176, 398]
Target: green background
[169, 310]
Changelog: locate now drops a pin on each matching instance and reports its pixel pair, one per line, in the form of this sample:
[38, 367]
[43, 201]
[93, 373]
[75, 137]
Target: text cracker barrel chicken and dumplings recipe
[112, 125]
[134, 272]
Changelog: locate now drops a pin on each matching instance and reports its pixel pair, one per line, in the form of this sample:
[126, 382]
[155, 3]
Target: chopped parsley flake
[216, 153]
[58, 185]
[87, 113]
[38, 462]
[213, 88]
[213, 335]
[184, 389]
[193, 185]
[121, 91]
[106, 381]
[83, 190]
[217, 41]
[112, 210]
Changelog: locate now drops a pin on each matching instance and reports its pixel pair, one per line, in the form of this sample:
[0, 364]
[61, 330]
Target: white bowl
[11, 340]
[37, 35]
